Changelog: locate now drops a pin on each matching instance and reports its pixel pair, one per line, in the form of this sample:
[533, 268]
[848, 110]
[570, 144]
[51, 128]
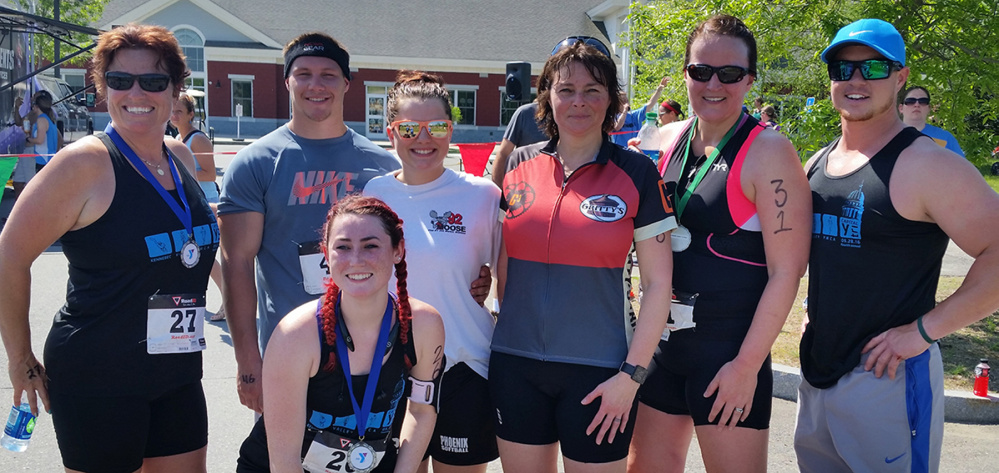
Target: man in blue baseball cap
[886, 201]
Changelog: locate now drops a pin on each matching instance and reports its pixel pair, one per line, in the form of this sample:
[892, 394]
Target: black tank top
[870, 269]
[328, 406]
[97, 345]
[725, 264]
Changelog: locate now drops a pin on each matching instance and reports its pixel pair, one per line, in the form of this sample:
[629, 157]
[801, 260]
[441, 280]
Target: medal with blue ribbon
[361, 455]
[190, 254]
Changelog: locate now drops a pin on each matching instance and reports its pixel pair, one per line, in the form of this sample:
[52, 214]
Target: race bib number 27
[175, 323]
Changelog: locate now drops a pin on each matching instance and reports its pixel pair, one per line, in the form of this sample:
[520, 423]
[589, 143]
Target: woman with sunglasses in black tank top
[140, 240]
[743, 207]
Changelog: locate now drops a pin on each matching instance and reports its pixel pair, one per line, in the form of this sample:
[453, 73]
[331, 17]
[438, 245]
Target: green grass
[993, 181]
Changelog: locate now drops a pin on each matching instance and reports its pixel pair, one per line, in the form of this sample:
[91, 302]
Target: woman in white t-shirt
[452, 228]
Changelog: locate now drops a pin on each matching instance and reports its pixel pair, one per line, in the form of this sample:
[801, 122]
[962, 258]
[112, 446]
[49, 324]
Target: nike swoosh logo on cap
[855, 33]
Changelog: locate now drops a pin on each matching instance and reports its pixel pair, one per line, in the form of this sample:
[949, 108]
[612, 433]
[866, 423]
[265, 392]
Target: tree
[80, 12]
[952, 50]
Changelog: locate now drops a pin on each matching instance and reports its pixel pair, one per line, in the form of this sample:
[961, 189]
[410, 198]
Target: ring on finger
[616, 419]
[739, 410]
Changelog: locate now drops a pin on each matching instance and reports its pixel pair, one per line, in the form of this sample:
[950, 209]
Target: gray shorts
[865, 423]
[24, 170]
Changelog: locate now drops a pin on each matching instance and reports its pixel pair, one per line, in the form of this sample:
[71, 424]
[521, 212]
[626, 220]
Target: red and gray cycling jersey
[567, 241]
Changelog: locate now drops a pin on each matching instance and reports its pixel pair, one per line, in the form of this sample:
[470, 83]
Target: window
[192, 44]
[465, 101]
[193, 47]
[77, 80]
[242, 95]
[507, 107]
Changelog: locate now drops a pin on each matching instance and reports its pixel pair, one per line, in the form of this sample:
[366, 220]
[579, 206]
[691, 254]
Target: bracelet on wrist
[922, 331]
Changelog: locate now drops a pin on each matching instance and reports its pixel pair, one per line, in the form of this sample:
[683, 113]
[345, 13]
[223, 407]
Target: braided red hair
[361, 205]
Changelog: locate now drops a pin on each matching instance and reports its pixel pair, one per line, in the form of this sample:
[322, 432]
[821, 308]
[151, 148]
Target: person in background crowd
[884, 199]
[628, 122]
[356, 338]
[140, 240]
[757, 107]
[566, 364]
[522, 130]
[452, 223]
[669, 112]
[915, 110]
[182, 117]
[739, 252]
[46, 138]
[768, 117]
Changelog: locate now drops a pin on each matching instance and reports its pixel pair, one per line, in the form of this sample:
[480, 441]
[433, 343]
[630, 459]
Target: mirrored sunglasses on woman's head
[148, 82]
[871, 69]
[588, 40]
[410, 129]
[726, 74]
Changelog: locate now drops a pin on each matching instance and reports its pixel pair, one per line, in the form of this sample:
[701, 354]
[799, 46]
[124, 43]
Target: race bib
[331, 453]
[175, 323]
[315, 271]
[681, 313]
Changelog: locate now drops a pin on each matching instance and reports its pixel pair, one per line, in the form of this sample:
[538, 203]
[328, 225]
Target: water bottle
[982, 378]
[649, 134]
[20, 425]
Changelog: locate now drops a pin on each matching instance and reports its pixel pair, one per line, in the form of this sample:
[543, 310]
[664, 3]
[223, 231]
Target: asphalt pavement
[966, 447]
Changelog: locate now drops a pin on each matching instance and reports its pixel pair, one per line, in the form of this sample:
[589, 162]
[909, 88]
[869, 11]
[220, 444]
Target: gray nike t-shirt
[294, 181]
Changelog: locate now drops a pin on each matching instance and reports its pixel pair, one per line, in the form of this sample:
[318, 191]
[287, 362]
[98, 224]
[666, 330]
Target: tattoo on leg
[248, 378]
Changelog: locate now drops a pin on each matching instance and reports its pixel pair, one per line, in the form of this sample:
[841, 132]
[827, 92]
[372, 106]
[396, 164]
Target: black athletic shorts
[115, 433]
[464, 434]
[683, 367]
[538, 403]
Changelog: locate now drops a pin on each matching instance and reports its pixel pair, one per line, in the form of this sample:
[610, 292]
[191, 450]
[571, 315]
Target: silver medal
[680, 239]
[361, 457]
[190, 254]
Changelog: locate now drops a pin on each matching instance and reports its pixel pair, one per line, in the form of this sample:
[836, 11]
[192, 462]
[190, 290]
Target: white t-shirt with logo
[452, 227]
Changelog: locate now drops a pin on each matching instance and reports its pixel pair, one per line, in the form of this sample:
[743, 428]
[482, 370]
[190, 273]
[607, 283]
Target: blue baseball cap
[879, 35]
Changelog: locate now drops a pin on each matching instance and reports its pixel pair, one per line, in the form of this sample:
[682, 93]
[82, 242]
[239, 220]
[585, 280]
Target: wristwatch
[637, 373]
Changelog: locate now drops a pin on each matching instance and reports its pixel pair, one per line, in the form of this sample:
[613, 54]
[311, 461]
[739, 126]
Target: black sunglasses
[148, 82]
[587, 40]
[871, 69]
[914, 100]
[726, 74]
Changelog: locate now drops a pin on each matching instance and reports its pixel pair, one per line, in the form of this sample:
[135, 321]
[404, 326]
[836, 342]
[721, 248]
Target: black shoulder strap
[883, 162]
[189, 135]
[820, 160]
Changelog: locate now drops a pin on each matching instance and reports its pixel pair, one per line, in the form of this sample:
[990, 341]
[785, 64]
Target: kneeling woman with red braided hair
[392, 346]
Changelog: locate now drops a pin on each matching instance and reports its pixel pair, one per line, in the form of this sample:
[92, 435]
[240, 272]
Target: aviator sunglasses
[148, 82]
[726, 74]
[410, 129]
[914, 100]
[871, 69]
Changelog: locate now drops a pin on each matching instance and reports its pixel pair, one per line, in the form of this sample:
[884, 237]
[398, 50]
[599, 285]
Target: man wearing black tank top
[886, 199]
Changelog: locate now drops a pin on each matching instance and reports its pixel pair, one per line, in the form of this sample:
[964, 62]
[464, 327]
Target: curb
[959, 406]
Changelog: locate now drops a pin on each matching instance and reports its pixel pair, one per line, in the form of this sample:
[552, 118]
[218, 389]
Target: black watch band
[637, 373]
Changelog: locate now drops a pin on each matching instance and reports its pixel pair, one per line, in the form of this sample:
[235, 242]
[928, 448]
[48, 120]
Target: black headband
[321, 47]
